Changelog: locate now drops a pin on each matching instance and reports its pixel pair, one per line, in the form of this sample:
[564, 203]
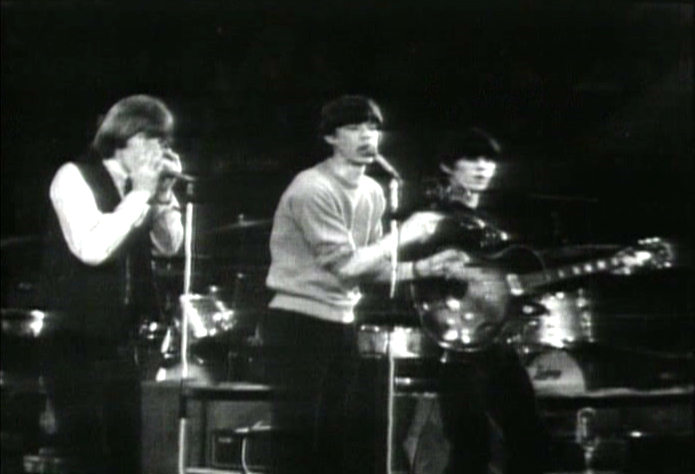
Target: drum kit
[220, 319]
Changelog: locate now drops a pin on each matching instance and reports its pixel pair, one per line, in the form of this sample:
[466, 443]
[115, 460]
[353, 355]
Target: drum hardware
[152, 331]
[562, 319]
[399, 341]
[208, 316]
[49, 460]
[24, 323]
[236, 297]
[148, 354]
[216, 324]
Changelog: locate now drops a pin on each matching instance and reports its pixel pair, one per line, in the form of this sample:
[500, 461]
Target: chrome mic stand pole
[390, 394]
[393, 207]
[187, 274]
[391, 377]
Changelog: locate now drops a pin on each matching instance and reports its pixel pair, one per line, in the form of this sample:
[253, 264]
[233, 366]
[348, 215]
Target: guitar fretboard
[529, 281]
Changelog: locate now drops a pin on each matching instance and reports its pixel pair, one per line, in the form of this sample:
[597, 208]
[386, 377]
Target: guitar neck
[530, 281]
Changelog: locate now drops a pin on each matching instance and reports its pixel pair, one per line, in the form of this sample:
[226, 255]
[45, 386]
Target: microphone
[171, 156]
[180, 176]
[387, 167]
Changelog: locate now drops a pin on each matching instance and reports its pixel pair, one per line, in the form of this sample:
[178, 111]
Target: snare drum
[398, 341]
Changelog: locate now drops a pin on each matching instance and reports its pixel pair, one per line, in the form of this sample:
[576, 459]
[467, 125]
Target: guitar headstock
[652, 253]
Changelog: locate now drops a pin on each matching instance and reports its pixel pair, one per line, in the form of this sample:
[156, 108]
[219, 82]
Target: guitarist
[486, 412]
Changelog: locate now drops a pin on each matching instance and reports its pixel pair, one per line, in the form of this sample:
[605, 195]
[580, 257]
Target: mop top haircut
[128, 117]
[473, 143]
[348, 110]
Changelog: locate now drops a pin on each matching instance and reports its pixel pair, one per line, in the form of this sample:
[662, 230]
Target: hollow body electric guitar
[467, 310]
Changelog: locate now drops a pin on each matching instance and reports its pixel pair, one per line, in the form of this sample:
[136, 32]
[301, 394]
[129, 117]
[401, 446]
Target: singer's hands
[419, 227]
[171, 164]
[449, 264]
[145, 166]
[148, 163]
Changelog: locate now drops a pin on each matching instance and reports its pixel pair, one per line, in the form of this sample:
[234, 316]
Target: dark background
[592, 100]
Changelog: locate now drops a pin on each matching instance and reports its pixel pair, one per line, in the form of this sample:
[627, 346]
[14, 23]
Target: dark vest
[102, 301]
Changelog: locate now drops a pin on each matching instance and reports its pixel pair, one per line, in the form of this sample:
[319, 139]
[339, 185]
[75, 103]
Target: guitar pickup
[514, 285]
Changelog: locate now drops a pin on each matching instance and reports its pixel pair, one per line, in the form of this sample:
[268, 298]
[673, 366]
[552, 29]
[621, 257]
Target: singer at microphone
[327, 239]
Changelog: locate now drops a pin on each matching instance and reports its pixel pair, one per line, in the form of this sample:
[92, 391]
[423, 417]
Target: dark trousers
[95, 391]
[324, 418]
[489, 414]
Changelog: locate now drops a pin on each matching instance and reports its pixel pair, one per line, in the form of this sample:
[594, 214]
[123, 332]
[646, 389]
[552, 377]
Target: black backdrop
[592, 100]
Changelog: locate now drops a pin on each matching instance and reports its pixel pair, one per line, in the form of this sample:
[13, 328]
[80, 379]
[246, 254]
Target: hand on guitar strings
[448, 264]
[419, 227]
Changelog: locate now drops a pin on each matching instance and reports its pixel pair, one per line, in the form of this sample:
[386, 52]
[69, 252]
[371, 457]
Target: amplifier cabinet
[206, 418]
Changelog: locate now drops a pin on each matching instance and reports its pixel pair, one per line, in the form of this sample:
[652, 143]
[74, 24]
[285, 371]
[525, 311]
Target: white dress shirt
[94, 236]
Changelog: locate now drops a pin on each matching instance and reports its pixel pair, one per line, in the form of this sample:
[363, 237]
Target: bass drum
[556, 372]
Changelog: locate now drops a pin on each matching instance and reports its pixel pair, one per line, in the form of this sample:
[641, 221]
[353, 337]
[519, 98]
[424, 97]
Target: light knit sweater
[319, 223]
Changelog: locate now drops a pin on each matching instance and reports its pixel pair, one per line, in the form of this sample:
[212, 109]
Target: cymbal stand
[187, 276]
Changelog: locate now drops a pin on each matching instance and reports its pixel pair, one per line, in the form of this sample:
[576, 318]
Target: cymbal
[242, 222]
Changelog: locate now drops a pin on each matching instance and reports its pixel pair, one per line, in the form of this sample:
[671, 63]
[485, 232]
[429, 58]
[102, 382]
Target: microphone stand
[184, 301]
[394, 188]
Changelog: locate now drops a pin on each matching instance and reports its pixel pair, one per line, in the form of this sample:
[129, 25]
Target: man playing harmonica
[111, 211]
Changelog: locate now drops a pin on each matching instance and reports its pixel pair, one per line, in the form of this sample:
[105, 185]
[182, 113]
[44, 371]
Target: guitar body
[468, 313]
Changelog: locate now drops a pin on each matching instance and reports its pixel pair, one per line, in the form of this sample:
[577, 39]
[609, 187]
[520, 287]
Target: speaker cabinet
[205, 420]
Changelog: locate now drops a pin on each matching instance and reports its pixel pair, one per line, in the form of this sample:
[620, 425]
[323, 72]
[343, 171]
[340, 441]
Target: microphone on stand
[171, 156]
[387, 167]
[393, 207]
[180, 176]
